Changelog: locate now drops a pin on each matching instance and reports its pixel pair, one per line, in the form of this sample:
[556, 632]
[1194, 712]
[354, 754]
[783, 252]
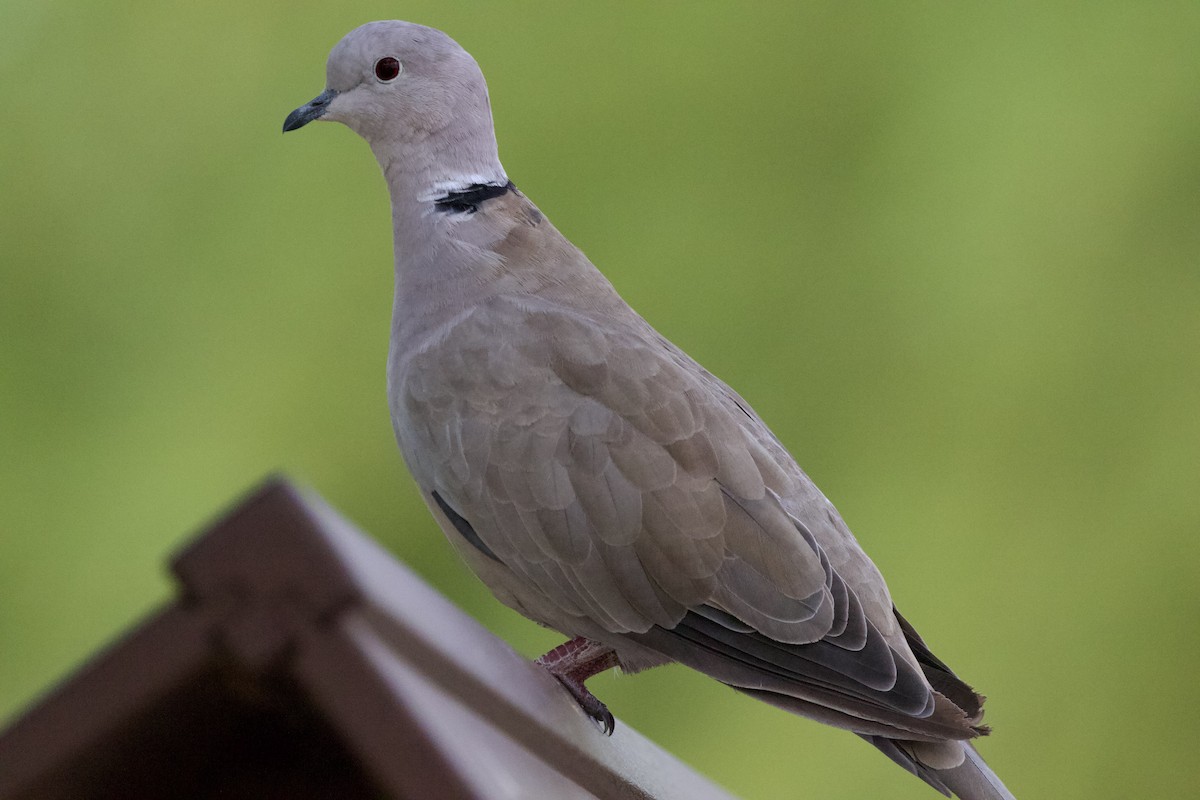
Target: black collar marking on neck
[468, 200]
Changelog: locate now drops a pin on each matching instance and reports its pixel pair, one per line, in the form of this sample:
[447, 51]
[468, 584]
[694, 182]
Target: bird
[594, 476]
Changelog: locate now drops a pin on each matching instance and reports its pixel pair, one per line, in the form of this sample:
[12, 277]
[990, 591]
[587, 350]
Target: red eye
[387, 68]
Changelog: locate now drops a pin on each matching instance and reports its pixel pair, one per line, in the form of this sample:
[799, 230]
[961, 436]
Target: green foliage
[950, 251]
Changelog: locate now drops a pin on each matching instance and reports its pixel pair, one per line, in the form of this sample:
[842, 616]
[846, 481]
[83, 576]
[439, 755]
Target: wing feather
[632, 490]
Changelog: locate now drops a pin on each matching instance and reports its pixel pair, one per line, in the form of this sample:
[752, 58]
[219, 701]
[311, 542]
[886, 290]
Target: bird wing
[628, 486]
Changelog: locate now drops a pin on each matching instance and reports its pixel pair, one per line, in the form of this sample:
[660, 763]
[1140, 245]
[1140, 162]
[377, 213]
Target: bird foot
[574, 662]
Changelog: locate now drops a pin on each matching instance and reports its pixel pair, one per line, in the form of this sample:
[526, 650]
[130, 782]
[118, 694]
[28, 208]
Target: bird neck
[423, 172]
[438, 266]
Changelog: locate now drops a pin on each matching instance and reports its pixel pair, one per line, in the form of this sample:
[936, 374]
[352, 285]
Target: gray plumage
[594, 476]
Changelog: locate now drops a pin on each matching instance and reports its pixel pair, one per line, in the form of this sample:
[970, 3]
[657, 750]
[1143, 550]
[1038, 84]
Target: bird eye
[387, 68]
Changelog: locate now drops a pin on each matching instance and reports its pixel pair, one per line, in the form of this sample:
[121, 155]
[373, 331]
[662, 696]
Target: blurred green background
[951, 252]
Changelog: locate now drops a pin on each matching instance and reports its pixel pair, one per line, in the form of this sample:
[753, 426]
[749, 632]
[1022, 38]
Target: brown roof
[300, 660]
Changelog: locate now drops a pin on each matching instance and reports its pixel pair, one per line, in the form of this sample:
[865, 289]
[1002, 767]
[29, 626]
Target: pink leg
[573, 663]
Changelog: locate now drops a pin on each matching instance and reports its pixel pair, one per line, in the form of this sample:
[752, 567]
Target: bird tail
[972, 779]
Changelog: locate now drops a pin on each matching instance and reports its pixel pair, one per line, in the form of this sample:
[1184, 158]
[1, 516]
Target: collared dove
[594, 476]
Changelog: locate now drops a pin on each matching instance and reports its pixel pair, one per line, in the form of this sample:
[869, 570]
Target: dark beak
[313, 109]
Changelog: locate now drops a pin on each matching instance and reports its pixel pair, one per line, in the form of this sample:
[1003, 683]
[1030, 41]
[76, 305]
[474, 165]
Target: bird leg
[573, 663]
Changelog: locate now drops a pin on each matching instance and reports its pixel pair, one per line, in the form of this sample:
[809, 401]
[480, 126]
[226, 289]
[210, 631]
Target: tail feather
[972, 779]
[891, 749]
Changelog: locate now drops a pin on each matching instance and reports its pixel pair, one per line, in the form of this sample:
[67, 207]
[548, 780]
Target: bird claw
[573, 663]
[591, 705]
